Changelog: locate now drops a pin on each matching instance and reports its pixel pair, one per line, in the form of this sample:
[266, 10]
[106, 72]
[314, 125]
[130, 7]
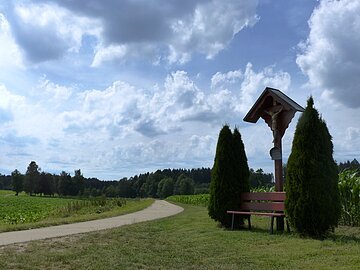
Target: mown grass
[190, 240]
[24, 212]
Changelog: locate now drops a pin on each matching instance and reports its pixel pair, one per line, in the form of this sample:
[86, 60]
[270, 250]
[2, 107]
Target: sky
[118, 88]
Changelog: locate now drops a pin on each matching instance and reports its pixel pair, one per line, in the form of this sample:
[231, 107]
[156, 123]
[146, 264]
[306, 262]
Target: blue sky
[118, 88]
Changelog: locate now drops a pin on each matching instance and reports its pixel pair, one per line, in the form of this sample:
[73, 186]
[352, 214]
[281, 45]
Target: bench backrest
[263, 201]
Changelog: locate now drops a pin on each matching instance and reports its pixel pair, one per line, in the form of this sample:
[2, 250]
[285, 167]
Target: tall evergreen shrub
[229, 176]
[312, 202]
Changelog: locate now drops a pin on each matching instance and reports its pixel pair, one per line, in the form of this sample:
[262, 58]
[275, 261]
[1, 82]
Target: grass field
[189, 240]
[23, 212]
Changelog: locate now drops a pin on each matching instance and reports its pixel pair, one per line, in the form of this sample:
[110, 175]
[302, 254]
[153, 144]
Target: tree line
[158, 184]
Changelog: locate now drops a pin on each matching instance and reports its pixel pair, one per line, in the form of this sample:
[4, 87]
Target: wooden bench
[270, 204]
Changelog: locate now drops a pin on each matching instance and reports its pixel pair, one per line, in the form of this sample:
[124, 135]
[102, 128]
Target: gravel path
[159, 209]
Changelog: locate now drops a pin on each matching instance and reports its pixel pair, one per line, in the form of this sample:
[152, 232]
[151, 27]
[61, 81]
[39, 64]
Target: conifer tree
[312, 202]
[229, 176]
[241, 168]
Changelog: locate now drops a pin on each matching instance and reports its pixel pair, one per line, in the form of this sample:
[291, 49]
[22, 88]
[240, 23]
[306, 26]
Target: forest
[158, 184]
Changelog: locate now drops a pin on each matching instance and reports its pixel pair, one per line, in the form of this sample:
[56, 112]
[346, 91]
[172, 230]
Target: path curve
[159, 209]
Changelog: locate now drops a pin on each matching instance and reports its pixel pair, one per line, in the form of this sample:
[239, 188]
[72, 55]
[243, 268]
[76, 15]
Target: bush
[229, 177]
[349, 188]
[312, 201]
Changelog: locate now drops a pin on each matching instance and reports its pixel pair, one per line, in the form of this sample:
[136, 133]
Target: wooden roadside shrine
[277, 110]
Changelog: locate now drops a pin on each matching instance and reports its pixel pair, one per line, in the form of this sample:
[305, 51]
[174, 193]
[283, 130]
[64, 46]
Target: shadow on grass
[256, 229]
[346, 238]
[337, 237]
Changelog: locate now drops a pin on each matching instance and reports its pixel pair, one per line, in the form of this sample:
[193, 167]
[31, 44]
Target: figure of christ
[274, 112]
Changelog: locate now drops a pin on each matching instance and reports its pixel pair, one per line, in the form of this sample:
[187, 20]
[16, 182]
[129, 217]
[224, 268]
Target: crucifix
[274, 112]
[277, 110]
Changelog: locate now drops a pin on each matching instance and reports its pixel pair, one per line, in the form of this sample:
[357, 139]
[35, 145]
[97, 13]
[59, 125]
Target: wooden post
[279, 180]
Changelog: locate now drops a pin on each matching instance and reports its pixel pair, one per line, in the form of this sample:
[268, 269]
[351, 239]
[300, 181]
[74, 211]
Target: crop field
[26, 209]
[199, 199]
[23, 211]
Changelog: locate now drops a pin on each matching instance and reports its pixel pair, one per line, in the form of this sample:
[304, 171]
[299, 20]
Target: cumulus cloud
[330, 56]
[170, 31]
[46, 31]
[122, 125]
[9, 51]
[124, 109]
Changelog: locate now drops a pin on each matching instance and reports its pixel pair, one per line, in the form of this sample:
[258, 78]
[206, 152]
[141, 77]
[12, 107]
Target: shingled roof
[257, 109]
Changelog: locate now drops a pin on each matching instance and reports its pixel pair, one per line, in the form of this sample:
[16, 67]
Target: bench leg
[249, 222]
[272, 225]
[232, 222]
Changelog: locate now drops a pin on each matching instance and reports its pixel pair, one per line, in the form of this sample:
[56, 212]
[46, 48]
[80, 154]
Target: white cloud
[47, 32]
[123, 127]
[210, 28]
[107, 54]
[330, 56]
[229, 77]
[9, 51]
[171, 32]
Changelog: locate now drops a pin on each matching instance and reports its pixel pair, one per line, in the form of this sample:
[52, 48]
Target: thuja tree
[312, 202]
[229, 176]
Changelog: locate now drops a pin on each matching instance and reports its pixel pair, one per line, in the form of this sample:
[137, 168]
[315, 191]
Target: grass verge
[189, 240]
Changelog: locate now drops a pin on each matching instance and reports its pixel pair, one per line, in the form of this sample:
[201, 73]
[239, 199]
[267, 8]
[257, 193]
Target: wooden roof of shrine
[266, 100]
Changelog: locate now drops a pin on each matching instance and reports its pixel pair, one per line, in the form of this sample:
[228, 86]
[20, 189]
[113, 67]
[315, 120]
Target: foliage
[27, 209]
[264, 189]
[98, 204]
[31, 181]
[46, 184]
[260, 179]
[353, 165]
[184, 185]
[312, 202]
[349, 187]
[229, 176]
[198, 199]
[165, 187]
[17, 181]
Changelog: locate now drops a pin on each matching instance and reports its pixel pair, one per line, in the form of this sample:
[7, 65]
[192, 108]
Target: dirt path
[159, 209]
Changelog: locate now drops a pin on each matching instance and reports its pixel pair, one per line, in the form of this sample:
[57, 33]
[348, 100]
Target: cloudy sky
[118, 88]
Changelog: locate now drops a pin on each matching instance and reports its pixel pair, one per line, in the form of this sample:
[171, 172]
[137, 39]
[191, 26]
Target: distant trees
[259, 178]
[17, 181]
[229, 176]
[46, 184]
[184, 185]
[79, 182]
[352, 165]
[165, 187]
[31, 181]
[312, 201]
[186, 181]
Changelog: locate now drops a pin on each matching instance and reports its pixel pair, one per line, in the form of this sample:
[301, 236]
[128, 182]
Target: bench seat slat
[256, 213]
